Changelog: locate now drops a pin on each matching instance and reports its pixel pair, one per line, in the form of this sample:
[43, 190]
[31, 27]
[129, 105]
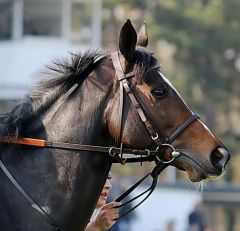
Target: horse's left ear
[128, 40]
[142, 38]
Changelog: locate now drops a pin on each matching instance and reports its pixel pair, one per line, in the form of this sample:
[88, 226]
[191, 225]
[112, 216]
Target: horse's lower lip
[212, 177]
[195, 170]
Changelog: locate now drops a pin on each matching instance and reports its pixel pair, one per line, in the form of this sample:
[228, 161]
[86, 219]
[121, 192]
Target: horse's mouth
[196, 170]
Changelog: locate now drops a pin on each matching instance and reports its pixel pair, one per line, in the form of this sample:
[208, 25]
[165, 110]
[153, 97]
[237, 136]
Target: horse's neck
[73, 179]
[75, 119]
[80, 118]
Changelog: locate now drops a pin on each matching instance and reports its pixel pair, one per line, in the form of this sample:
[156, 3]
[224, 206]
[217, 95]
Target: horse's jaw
[197, 170]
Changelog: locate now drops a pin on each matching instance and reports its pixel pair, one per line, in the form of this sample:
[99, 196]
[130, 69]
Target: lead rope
[154, 174]
[160, 166]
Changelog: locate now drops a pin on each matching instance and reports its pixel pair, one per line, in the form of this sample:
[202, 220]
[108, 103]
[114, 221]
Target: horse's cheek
[111, 118]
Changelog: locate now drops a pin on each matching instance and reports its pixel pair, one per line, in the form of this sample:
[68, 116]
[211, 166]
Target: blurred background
[198, 45]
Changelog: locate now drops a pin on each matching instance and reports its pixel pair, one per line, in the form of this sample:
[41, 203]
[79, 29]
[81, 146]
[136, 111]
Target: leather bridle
[160, 164]
[117, 153]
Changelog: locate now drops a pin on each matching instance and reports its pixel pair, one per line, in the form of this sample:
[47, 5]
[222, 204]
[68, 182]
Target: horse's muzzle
[219, 158]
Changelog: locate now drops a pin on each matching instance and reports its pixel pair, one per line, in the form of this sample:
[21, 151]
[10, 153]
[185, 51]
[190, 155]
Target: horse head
[202, 154]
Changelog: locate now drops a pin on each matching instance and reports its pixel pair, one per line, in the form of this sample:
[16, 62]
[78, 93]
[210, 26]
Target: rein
[114, 152]
[117, 153]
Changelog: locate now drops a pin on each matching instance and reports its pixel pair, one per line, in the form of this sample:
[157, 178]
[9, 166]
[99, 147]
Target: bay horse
[57, 146]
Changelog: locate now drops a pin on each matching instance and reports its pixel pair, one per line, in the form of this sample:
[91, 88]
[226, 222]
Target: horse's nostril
[219, 158]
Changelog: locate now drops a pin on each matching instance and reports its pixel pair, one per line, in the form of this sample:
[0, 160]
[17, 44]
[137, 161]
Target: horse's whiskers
[196, 186]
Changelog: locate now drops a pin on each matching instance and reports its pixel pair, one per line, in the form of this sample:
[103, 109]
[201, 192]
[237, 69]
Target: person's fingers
[115, 210]
[109, 212]
[112, 212]
[116, 217]
[111, 205]
[111, 223]
[109, 220]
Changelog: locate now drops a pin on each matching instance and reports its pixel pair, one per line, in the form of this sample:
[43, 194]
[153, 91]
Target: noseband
[117, 153]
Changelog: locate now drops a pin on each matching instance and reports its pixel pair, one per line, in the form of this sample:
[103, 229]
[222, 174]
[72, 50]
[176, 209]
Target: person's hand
[105, 218]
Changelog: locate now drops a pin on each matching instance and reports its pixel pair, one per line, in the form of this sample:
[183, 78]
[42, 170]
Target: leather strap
[154, 174]
[172, 137]
[121, 102]
[29, 199]
[122, 77]
[78, 147]
[24, 141]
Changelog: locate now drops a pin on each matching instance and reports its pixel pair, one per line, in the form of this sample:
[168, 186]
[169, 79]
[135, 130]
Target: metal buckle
[174, 154]
[118, 157]
[148, 152]
[155, 137]
[110, 152]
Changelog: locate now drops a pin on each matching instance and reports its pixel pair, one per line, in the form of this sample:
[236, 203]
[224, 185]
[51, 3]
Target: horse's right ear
[142, 38]
[128, 40]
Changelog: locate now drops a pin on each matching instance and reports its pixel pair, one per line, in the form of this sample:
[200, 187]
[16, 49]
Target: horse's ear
[128, 40]
[142, 38]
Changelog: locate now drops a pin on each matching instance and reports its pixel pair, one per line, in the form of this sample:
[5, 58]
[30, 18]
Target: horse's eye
[160, 92]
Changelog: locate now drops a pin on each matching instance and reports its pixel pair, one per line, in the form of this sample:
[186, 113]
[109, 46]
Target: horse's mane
[62, 75]
[59, 78]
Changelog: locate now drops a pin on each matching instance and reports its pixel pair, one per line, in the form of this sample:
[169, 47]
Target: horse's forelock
[144, 61]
